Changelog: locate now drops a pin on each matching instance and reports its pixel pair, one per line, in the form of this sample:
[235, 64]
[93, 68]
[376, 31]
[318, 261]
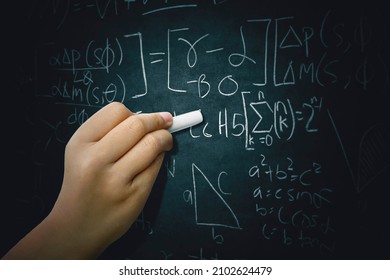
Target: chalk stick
[186, 120]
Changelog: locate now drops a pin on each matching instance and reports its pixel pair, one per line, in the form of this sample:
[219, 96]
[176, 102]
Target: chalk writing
[280, 89]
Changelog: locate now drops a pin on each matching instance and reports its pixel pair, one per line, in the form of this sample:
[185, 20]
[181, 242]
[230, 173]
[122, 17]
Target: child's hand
[111, 163]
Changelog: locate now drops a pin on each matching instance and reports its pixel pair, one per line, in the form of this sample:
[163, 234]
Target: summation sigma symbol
[130, 57]
[267, 92]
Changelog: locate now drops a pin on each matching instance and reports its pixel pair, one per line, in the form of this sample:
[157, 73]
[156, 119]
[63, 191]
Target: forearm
[52, 239]
[111, 164]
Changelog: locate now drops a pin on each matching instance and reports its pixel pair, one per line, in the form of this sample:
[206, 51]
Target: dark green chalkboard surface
[293, 156]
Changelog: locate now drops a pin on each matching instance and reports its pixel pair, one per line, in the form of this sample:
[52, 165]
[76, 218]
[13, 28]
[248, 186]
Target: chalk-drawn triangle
[290, 40]
[210, 207]
[289, 77]
[374, 155]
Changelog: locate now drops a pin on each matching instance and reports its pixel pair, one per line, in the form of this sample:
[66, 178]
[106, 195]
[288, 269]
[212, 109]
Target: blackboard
[292, 158]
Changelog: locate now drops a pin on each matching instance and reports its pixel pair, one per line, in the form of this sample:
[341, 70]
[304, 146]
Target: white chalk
[186, 120]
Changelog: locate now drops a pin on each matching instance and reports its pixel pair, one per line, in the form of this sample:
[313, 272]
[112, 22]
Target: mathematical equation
[260, 54]
[265, 84]
[286, 61]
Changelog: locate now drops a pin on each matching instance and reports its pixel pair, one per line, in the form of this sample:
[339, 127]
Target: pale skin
[111, 164]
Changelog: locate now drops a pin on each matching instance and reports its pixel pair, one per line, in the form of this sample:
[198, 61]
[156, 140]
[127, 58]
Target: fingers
[131, 142]
[126, 135]
[144, 153]
[103, 121]
[149, 175]
[143, 184]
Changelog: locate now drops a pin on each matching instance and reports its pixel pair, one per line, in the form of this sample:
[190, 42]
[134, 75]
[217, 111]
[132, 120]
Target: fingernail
[167, 117]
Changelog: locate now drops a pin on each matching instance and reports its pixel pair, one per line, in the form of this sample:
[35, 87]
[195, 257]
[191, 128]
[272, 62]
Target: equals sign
[294, 177]
[76, 7]
[158, 59]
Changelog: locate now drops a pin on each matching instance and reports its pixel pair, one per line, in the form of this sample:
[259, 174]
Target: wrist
[69, 237]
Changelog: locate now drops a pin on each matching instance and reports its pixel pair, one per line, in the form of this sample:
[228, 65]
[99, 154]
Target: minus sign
[216, 50]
